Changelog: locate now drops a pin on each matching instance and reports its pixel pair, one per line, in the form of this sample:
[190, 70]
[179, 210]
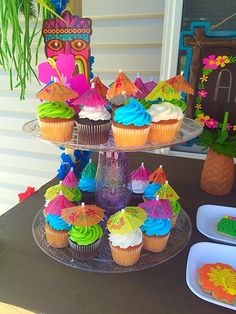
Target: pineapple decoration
[218, 170]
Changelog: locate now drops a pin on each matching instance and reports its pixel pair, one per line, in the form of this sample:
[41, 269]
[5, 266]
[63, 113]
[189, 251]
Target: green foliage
[219, 140]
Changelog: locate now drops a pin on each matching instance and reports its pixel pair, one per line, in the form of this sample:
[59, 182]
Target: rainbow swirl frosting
[132, 113]
[156, 227]
[54, 110]
[85, 235]
[57, 223]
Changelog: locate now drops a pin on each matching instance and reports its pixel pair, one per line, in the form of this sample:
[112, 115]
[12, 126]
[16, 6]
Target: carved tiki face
[72, 37]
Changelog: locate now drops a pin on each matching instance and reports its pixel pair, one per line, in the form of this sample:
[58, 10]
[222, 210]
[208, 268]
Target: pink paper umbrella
[150, 85]
[140, 173]
[159, 209]
[56, 205]
[141, 86]
[91, 99]
[70, 180]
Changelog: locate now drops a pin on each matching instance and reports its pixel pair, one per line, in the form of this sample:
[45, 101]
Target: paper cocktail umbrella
[158, 176]
[157, 208]
[150, 85]
[126, 220]
[92, 98]
[141, 86]
[56, 205]
[122, 84]
[178, 83]
[55, 91]
[54, 190]
[99, 86]
[140, 173]
[83, 215]
[164, 91]
[70, 180]
[167, 192]
[90, 170]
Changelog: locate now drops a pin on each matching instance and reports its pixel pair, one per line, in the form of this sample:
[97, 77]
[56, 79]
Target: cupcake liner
[126, 257]
[173, 220]
[155, 244]
[163, 133]
[180, 122]
[56, 238]
[56, 131]
[93, 134]
[130, 137]
[84, 252]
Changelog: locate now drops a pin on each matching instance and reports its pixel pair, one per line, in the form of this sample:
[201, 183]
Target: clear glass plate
[103, 263]
[190, 129]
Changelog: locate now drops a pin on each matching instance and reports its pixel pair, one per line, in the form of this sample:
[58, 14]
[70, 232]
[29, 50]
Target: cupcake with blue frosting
[131, 124]
[56, 230]
[87, 180]
[150, 191]
[156, 233]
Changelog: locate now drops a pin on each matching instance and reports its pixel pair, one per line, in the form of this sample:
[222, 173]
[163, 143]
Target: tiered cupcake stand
[112, 193]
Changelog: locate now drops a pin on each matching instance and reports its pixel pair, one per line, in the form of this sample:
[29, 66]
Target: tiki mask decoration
[72, 37]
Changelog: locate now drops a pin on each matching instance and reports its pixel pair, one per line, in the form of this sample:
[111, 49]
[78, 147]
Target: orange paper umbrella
[158, 176]
[56, 92]
[99, 86]
[122, 84]
[178, 82]
[83, 215]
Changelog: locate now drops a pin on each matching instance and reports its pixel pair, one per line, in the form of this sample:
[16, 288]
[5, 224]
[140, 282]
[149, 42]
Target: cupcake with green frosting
[176, 208]
[85, 241]
[56, 121]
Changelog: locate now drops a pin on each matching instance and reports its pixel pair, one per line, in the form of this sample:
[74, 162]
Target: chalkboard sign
[212, 73]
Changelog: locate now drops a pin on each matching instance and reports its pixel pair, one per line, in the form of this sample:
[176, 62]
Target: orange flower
[222, 60]
[202, 119]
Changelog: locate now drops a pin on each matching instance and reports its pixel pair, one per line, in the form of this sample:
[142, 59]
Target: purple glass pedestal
[111, 185]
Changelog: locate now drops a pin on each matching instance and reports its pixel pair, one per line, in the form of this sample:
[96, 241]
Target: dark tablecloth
[32, 280]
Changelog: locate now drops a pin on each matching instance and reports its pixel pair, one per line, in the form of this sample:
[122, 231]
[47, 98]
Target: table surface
[33, 281]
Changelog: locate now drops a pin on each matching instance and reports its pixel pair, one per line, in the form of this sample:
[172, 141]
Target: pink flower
[211, 123]
[65, 64]
[202, 93]
[210, 62]
[229, 127]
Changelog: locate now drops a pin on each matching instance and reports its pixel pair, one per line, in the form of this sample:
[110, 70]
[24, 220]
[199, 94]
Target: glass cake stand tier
[103, 262]
[190, 129]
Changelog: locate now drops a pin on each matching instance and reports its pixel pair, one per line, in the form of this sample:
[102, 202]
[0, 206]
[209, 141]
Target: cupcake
[85, 241]
[150, 191]
[131, 124]
[166, 120]
[139, 179]
[126, 248]
[87, 180]
[56, 121]
[156, 233]
[56, 230]
[176, 208]
[93, 121]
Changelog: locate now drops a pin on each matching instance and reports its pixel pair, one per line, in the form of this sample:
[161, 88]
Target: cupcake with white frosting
[126, 248]
[166, 122]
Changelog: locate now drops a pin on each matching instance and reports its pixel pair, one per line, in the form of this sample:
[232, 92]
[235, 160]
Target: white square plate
[203, 253]
[207, 218]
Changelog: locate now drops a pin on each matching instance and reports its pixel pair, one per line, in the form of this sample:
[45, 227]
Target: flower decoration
[202, 93]
[29, 191]
[201, 118]
[62, 71]
[198, 106]
[222, 61]
[211, 123]
[204, 78]
[210, 62]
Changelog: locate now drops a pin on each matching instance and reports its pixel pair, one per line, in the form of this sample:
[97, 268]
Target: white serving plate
[207, 252]
[207, 218]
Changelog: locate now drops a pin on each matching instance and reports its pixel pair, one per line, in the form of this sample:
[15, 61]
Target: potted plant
[218, 170]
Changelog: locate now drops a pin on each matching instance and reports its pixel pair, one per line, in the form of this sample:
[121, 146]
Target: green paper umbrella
[164, 91]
